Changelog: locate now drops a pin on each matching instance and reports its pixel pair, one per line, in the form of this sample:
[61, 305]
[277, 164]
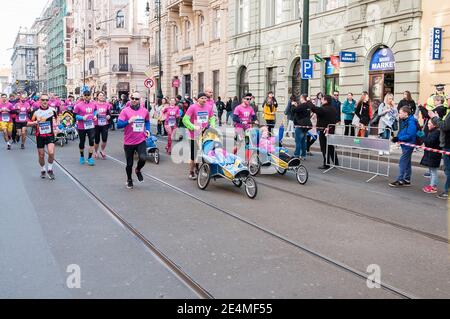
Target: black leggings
[91, 136]
[101, 131]
[141, 150]
[270, 125]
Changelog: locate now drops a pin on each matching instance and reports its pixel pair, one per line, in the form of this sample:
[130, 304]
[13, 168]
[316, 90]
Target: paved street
[292, 241]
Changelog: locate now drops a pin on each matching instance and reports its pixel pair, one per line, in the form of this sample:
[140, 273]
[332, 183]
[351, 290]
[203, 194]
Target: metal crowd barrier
[360, 154]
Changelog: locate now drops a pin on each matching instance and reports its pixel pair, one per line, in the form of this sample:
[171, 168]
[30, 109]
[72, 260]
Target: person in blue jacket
[348, 108]
[407, 134]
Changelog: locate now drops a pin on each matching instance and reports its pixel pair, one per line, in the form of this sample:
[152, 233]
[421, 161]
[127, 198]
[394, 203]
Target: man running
[136, 122]
[102, 124]
[45, 119]
[6, 123]
[243, 117]
[22, 110]
[85, 114]
[198, 117]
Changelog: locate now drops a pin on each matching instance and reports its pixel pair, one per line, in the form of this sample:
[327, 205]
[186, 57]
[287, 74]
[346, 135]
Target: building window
[243, 86]
[188, 34]
[201, 82]
[30, 56]
[274, 12]
[272, 80]
[120, 20]
[90, 34]
[201, 29]
[123, 59]
[175, 38]
[29, 39]
[243, 16]
[216, 83]
[296, 9]
[216, 24]
[89, 4]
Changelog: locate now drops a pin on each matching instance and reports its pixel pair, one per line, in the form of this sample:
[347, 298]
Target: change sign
[436, 44]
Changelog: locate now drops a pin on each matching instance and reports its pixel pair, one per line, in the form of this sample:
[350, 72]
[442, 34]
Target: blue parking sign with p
[307, 69]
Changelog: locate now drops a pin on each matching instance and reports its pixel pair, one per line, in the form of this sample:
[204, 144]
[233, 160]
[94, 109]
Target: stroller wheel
[254, 165]
[280, 170]
[237, 182]
[251, 189]
[302, 174]
[204, 176]
[156, 157]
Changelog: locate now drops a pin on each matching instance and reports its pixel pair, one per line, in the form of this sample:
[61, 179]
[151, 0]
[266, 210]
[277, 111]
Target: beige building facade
[433, 72]
[108, 47]
[193, 46]
[384, 35]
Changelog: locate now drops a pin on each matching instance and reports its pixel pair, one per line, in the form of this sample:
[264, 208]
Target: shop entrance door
[380, 84]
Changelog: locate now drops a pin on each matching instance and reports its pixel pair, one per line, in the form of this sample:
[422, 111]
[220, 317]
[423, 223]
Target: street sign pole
[305, 43]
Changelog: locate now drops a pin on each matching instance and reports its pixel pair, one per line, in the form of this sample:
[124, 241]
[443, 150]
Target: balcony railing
[122, 68]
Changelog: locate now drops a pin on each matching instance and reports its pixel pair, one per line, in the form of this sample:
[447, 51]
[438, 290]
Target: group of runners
[93, 122]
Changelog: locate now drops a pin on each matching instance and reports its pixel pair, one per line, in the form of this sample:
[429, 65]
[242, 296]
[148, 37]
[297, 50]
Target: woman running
[170, 115]
[102, 124]
[23, 110]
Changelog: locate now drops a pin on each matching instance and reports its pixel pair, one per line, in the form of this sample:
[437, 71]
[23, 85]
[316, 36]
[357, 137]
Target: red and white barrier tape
[425, 148]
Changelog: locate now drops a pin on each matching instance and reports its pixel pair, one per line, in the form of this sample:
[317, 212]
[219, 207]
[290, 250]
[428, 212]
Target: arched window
[188, 34]
[243, 86]
[201, 29]
[120, 19]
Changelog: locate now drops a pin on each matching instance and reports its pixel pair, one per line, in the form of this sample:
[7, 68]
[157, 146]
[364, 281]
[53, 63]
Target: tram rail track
[177, 270]
[358, 214]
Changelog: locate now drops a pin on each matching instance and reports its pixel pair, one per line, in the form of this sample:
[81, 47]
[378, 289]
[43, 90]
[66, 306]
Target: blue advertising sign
[307, 69]
[383, 60]
[436, 44]
[348, 57]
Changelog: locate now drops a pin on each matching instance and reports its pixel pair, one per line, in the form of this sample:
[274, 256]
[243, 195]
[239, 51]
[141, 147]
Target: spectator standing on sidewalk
[220, 109]
[301, 115]
[444, 138]
[270, 107]
[229, 110]
[407, 134]
[337, 105]
[348, 108]
[364, 113]
[432, 160]
[407, 101]
[289, 115]
[326, 115]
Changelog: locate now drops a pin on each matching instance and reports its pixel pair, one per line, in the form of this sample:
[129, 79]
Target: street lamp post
[305, 43]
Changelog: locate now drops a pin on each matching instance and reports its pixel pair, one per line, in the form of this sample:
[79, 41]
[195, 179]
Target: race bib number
[102, 121]
[202, 118]
[172, 121]
[5, 117]
[89, 124]
[45, 128]
[22, 117]
[139, 126]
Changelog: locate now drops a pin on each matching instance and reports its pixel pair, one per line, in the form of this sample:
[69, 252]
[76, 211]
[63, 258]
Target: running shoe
[130, 184]
[43, 174]
[91, 162]
[22, 147]
[430, 189]
[397, 184]
[139, 176]
[443, 196]
[82, 161]
[103, 155]
[9, 147]
[406, 183]
[192, 176]
[51, 175]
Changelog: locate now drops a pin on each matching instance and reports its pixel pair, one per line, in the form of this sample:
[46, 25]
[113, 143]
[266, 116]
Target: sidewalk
[289, 142]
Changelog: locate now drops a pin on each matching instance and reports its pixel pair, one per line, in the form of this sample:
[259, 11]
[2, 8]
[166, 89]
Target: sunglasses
[248, 99]
[44, 100]
[135, 99]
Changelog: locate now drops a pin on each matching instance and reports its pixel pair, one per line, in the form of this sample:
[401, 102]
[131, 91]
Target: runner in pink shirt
[102, 124]
[170, 113]
[135, 121]
[197, 117]
[55, 102]
[6, 123]
[23, 111]
[243, 117]
[85, 114]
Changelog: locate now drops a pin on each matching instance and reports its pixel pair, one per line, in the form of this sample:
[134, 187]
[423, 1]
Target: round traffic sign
[149, 83]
